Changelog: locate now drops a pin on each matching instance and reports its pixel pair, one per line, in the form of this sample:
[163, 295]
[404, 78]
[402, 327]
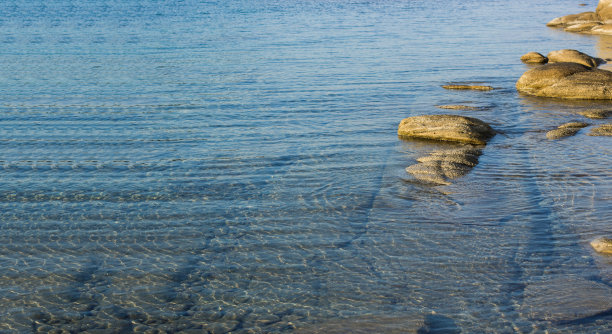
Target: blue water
[233, 166]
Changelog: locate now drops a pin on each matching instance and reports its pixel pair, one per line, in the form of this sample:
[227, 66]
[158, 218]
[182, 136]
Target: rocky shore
[598, 22]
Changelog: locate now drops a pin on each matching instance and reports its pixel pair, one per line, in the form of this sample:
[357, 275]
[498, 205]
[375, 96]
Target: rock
[578, 125]
[596, 113]
[573, 56]
[573, 19]
[446, 127]
[604, 10]
[602, 245]
[588, 22]
[442, 166]
[602, 130]
[601, 29]
[468, 87]
[582, 27]
[458, 107]
[565, 299]
[534, 58]
[565, 130]
[568, 81]
[561, 133]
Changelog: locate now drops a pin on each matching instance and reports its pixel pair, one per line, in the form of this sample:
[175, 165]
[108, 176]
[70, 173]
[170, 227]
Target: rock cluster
[562, 56]
[598, 22]
[566, 130]
[444, 165]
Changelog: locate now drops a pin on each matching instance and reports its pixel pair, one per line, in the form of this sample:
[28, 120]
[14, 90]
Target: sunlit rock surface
[597, 22]
[568, 81]
[566, 130]
[447, 128]
[573, 56]
[534, 58]
[602, 245]
[601, 130]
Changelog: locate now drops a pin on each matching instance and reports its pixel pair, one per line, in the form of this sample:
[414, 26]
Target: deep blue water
[234, 166]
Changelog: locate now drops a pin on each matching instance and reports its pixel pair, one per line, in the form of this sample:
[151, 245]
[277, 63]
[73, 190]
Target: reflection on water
[234, 167]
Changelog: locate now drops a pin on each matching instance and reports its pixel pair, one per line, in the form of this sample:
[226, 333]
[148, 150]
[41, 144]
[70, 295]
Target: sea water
[233, 166]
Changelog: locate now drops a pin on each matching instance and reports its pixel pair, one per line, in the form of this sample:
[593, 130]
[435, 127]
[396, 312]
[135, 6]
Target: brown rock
[573, 56]
[468, 87]
[604, 10]
[602, 130]
[446, 127]
[572, 125]
[582, 27]
[602, 245]
[442, 166]
[572, 19]
[534, 58]
[458, 107]
[565, 130]
[561, 133]
[568, 81]
[596, 113]
[601, 29]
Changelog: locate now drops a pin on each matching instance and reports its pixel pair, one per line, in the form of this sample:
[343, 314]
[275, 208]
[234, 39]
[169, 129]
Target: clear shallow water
[235, 167]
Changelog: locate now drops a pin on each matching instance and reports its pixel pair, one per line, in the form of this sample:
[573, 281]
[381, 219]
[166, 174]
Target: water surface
[234, 166]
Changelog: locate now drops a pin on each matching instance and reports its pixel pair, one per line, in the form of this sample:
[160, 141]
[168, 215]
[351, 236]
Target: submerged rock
[573, 56]
[602, 245]
[596, 113]
[468, 87]
[458, 107]
[566, 130]
[568, 81]
[534, 58]
[446, 127]
[444, 165]
[565, 299]
[602, 130]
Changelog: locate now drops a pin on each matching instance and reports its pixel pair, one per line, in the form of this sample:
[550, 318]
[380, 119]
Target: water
[234, 166]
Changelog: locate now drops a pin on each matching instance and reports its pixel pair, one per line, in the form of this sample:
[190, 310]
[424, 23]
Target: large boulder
[573, 56]
[446, 127]
[568, 81]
